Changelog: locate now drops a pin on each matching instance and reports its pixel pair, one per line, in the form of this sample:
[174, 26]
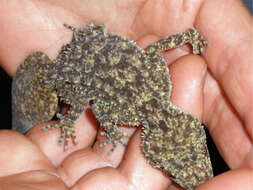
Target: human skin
[218, 89]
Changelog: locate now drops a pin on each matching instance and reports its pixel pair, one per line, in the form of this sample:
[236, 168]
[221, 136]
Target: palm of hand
[85, 166]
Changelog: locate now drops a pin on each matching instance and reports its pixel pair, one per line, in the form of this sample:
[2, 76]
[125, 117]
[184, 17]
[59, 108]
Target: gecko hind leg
[110, 124]
[114, 135]
[192, 36]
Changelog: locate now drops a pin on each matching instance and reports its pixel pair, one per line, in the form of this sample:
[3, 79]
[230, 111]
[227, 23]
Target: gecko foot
[117, 137]
[197, 41]
[67, 132]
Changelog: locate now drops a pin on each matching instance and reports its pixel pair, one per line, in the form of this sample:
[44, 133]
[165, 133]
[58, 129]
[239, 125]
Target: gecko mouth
[62, 109]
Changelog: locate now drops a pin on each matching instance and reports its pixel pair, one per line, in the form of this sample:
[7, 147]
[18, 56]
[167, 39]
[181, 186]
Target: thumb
[235, 179]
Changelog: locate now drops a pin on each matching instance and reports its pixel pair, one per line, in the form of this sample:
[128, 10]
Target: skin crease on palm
[219, 91]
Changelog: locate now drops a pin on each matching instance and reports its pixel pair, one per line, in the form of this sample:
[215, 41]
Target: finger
[47, 141]
[43, 24]
[234, 179]
[79, 164]
[134, 173]
[226, 128]
[18, 154]
[188, 76]
[138, 171]
[229, 55]
[225, 30]
[229, 88]
[83, 161]
[32, 180]
[105, 178]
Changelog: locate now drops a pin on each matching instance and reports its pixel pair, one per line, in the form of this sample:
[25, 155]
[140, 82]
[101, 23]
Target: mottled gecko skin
[127, 86]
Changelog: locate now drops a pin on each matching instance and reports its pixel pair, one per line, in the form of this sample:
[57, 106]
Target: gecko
[124, 85]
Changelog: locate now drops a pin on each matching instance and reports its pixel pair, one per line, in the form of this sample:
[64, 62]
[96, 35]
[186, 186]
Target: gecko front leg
[78, 104]
[111, 130]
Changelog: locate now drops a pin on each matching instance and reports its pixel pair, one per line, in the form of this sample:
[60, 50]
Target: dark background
[5, 84]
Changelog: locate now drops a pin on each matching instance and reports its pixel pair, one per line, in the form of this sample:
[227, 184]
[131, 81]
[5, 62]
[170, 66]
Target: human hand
[37, 25]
